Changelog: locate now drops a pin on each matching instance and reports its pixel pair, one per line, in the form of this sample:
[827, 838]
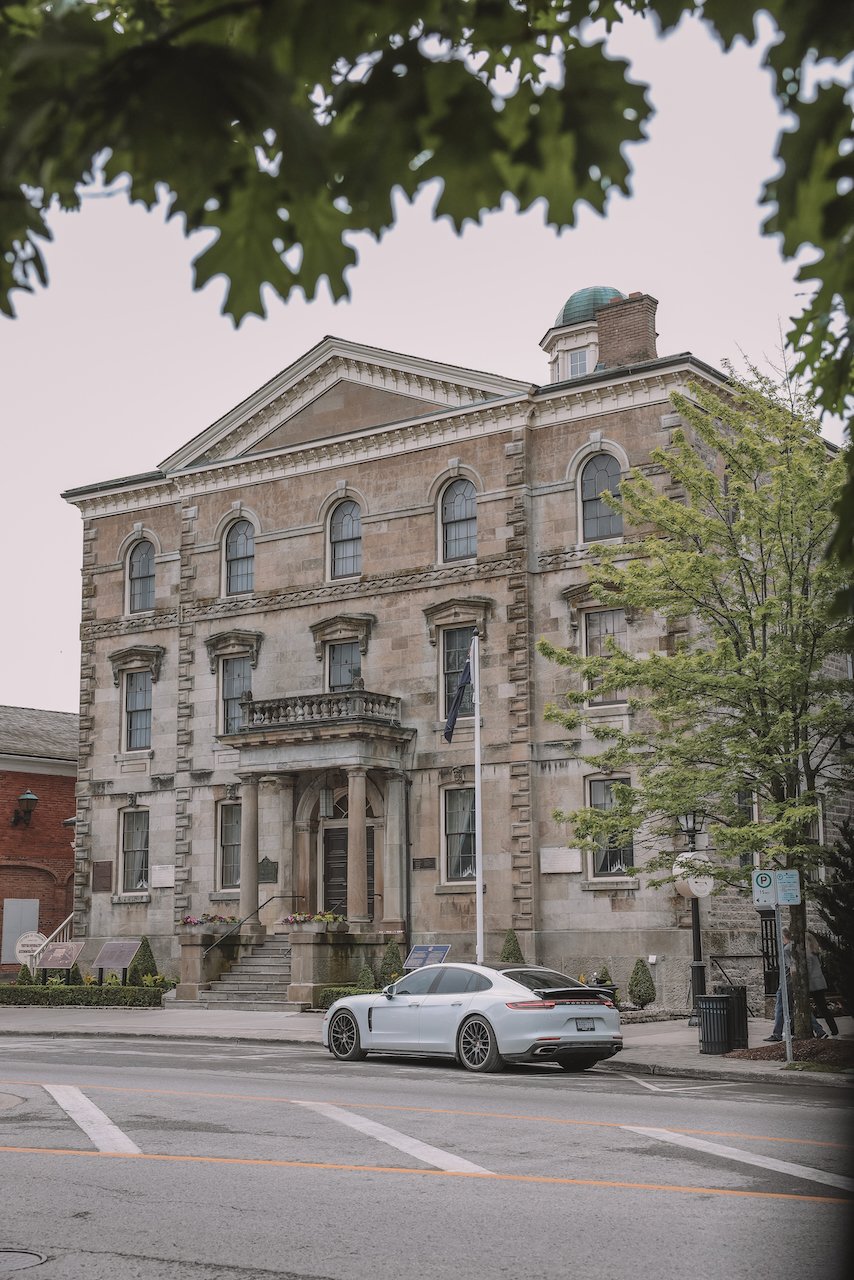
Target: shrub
[392, 964]
[329, 995]
[142, 964]
[24, 978]
[641, 985]
[75, 977]
[366, 980]
[604, 977]
[511, 952]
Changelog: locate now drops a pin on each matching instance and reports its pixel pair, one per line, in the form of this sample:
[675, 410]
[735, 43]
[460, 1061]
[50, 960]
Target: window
[600, 627]
[459, 834]
[417, 983]
[345, 665]
[600, 475]
[141, 578]
[239, 558]
[137, 710]
[456, 642]
[609, 859]
[134, 875]
[345, 540]
[236, 680]
[577, 363]
[229, 846]
[453, 982]
[459, 521]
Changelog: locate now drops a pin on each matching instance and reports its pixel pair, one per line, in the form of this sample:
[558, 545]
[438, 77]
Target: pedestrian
[818, 989]
[777, 1029]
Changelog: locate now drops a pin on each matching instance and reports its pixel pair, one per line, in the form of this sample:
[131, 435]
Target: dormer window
[577, 363]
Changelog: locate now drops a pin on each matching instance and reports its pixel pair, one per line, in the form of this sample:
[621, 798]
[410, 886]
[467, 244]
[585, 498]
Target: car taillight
[530, 1004]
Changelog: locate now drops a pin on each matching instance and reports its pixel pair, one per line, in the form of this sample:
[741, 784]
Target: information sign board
[424, 954]
[788, 888]
[27, 944]
[60, 955]
[117, 954]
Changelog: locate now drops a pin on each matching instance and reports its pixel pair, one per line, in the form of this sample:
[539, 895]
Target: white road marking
[400, 1141]
[746, 1157]
[97, 1126]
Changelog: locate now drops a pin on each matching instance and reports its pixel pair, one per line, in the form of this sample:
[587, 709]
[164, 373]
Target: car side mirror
[388, 992]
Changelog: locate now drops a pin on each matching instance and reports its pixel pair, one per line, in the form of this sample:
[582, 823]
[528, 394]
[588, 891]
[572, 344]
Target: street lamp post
[691, 824]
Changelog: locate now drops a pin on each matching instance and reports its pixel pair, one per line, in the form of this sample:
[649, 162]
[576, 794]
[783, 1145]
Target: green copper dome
[584, 303]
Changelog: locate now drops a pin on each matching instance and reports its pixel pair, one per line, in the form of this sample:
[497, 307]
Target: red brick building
[38, 754]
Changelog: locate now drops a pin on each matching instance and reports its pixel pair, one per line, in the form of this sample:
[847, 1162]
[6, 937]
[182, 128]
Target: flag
[454, 711]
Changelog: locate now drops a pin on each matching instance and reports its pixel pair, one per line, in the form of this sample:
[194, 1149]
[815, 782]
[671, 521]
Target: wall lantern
[327, 801]
[27, 801]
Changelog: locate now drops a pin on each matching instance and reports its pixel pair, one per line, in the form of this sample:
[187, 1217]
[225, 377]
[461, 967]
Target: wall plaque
[268, 871]
[102, 877]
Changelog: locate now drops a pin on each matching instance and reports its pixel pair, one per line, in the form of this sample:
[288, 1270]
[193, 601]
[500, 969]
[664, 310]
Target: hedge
[329, 995]
[98, 997]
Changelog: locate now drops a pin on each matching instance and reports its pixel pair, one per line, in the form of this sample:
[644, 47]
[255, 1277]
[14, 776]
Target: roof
[584, 303]
[50, 735]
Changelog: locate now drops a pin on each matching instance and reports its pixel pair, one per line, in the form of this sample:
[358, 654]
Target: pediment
[339, 388]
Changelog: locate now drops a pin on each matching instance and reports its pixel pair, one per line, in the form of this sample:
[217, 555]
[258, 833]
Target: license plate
[585, 1024]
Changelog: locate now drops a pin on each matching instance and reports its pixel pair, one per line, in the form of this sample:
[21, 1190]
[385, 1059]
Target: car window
[542, 979]
[457, 981]
[417, 983]
[481, 982]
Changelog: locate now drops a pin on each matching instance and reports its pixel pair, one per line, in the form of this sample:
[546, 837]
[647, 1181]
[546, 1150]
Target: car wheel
[570, 1062]
[476, 1046]
[344, 1041]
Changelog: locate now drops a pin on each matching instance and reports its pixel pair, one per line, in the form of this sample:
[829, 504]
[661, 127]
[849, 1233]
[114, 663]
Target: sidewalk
[650, 1048]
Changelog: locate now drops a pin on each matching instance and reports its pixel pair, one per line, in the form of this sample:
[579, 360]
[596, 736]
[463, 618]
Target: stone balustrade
[319, 708]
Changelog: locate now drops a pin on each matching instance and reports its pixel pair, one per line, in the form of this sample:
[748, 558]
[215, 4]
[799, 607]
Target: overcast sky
[118, 362]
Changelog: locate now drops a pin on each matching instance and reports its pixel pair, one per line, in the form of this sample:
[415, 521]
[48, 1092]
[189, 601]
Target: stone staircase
[258, 980]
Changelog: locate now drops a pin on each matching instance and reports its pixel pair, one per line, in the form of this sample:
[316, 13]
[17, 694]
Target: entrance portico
[291, 751]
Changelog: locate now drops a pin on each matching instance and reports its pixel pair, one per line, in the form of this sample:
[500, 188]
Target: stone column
[357, 850]
[394, 853]
[303, 887]
[287, 845]
[249, 848]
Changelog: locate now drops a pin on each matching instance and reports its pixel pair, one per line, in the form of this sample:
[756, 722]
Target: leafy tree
[142, 964]
[835, 900]
[392, 964]
[641, 985]
[284, 125]
[511, 952]
[753, 697]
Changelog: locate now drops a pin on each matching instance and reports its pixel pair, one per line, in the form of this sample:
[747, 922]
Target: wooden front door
[335, 870]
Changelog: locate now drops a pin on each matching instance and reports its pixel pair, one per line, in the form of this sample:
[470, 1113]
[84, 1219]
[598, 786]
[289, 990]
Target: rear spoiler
[575, 995]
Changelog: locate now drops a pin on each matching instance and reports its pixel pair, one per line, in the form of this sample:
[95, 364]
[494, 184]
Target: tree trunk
[802, 1029]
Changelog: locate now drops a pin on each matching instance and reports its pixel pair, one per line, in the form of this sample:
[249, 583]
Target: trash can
[714, 1023]
[737, 1014]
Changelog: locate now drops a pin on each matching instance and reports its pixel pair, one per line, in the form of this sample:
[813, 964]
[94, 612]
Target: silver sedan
[480, 1016]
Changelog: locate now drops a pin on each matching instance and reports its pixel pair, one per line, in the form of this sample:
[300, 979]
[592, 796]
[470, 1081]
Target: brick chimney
[627, 330]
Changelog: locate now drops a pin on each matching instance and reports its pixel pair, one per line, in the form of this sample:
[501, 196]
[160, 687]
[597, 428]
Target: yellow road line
[539, 1179]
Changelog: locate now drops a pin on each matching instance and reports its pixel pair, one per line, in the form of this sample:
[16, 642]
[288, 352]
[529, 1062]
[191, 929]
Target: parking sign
[788, 888]
[764, 889]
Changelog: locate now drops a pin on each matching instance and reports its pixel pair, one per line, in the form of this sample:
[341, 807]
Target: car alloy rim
[343, 1033]
[475, 1042]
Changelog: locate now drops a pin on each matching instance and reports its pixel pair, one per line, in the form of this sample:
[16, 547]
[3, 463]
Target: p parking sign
[764, 889]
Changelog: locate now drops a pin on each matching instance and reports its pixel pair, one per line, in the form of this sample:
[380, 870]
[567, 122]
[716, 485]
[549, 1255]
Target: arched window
[459, 521]
[239, 558]
[141, 578]
[345, 540]
[600, 475]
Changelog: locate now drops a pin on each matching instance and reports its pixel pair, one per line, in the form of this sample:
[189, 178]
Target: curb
[835, 1080]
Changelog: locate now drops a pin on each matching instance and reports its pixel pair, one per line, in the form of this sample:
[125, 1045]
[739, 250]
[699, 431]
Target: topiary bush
[392, 964]
[641, 985]
[24, 978]
[143, 963]
[75, 977]
[604, 976]
[511, 952]
[366, 981]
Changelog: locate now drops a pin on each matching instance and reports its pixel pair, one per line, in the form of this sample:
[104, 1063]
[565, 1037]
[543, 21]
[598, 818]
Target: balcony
[304, 710]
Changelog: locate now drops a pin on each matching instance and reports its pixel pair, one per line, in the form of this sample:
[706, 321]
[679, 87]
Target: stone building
[274, 622]
[38, 767]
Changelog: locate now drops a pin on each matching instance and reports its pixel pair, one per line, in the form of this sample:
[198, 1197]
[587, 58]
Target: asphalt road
[220, 1161]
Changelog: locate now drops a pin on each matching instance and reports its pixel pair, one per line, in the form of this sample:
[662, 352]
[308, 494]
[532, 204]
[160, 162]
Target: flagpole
[478, 823]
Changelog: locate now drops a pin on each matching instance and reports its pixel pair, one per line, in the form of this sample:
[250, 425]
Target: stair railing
[62, 933]
[292, 897]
